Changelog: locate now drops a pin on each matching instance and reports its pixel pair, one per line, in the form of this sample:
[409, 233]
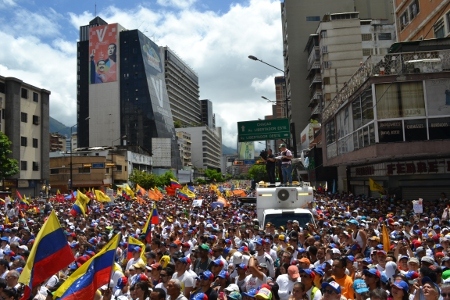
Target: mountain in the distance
[58, 127]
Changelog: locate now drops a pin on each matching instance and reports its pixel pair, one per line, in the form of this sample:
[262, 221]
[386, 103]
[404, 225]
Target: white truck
[279, 204]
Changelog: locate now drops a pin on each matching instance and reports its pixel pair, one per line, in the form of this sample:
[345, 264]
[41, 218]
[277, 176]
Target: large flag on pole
[84, 282]
[175, 184]
[153, 218]
[50, 254]
[101, 197]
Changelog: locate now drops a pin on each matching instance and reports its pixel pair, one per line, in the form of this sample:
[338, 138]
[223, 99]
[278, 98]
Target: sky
[214, 37]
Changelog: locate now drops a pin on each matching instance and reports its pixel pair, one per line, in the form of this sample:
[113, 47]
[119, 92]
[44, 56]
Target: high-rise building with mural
[121, 90]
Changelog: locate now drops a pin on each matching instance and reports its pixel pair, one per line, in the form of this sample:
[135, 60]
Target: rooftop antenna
[95, 9]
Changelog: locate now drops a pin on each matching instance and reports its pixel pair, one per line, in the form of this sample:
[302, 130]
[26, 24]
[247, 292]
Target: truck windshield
[282, 218]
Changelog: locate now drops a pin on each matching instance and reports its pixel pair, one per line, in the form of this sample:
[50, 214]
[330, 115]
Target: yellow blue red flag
[50, 254]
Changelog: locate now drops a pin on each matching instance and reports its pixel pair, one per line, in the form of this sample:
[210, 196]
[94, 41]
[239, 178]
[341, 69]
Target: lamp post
[112, 159]
[286, 100]
[71, 155]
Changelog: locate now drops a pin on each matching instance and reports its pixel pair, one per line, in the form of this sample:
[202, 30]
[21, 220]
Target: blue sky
[213, 36]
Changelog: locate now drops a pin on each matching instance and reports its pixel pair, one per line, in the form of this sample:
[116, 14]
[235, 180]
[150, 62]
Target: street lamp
[71, 155]
[112, 159]
[286, 99]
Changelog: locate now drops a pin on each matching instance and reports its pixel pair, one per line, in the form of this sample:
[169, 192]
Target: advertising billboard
[246, 150]
[103, 53]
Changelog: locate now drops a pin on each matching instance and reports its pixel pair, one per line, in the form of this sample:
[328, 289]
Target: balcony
[316, 79]
[315, 96]
[314, 59]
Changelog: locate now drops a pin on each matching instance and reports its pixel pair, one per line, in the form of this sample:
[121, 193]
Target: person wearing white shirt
[286, 282]
[307, 278]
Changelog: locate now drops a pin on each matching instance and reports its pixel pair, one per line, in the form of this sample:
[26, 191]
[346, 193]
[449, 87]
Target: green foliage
[149, 180]
[177, 124]
[8, 165]
[214, 175]
[258, 173]
[200, 181]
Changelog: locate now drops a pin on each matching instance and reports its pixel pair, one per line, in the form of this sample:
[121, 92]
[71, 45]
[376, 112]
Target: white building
[25, 121]
[206, 146]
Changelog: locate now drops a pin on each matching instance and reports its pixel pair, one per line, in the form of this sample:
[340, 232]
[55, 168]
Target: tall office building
[182, 88]
[25, 121]
[300, 18]
[121, 89]
[207, 115]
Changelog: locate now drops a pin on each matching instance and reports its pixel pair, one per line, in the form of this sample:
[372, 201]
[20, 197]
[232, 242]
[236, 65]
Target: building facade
[206, 149]
[57, 142]
[184, 144]
[299, 20]
[391, 123]
[422, 19]
[207, 116]
[25, 121]
[121, 89]
[182, 89]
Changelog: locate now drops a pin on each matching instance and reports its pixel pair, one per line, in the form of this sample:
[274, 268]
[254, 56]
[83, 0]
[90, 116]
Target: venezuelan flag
[80, 205]
[175, 184]
[183, 196]
[50, 254]
[153, 218]
[84, 282]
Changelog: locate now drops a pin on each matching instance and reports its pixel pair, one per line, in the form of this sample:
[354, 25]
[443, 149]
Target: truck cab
[279, 204]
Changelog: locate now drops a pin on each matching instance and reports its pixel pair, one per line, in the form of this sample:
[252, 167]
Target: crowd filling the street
[209, 246]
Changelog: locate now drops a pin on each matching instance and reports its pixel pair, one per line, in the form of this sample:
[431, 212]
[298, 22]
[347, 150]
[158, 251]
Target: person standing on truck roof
[270, 166]
[286, 164]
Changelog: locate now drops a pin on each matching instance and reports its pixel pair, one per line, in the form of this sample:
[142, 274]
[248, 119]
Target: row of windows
[23, 92]
[24, 165]
[381, 36]
[439, 26]
[24, 118]
[24, 142]
[409, 14]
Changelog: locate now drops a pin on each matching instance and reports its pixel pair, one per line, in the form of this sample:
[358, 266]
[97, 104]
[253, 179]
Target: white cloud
[179, 4]
[215, 45]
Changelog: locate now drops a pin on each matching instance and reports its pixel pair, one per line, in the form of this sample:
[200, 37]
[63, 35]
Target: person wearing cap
[256, 277]
[400, 290]
[372, 277]
[120, 291]
[154, 269]
[263, 257]
[203, 261]
[307, 277]
[359, 236]
[136, 257]
[339, 276]
[217, 254]
[234, 296]
[139, 268]
[180, 274]
[331, 291]
[286, 282]
[413, 264]
[239, 280]
[286, 164]
[205, 281]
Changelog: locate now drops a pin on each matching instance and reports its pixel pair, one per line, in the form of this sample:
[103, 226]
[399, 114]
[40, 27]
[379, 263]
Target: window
[439, 29]
[366, 37]
[367, 51]
[35, 120]
[323, 34]
[23, 165]
[413, 9]
[330, 133]
[35, 97]
[312, 18]
[85, 170]
[327, 64]
[2, 88]
[35, 166]
[24, 93]
[385, 36]
[24, 117]
[54, 171]
[23, 141]
[35, 143]
[404, 20]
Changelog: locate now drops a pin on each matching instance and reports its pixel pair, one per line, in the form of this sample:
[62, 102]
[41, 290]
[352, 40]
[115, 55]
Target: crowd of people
[358, 248]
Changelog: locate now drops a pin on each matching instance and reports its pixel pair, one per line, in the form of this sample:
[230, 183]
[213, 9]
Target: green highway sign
[263, 130]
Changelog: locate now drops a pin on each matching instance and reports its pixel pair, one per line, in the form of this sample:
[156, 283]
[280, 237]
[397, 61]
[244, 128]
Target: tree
[214, 175]
[8, 165]
[177, 124]
[149, 180]
[258, 173]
